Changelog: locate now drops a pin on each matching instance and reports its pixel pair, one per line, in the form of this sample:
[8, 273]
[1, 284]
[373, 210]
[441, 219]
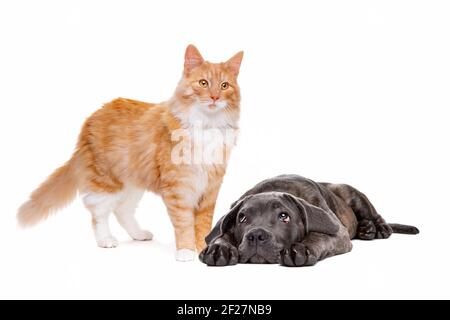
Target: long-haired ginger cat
[127, 147]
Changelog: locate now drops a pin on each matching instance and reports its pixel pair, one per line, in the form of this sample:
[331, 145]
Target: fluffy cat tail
[53, 194]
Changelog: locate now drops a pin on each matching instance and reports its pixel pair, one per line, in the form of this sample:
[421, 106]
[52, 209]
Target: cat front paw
[185, 255]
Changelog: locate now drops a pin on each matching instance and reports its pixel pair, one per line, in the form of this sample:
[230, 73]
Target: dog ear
[226, 223]
[315, 219]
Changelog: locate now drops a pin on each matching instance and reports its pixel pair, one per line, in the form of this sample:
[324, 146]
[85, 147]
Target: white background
[339, 91]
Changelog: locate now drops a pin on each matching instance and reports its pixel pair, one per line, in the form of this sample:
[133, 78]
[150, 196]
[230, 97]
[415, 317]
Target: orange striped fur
[127, 145]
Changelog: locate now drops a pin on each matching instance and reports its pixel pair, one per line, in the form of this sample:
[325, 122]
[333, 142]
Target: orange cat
[128, 147]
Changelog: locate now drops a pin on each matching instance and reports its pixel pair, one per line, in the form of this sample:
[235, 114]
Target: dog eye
[242, 218]
[284, 217]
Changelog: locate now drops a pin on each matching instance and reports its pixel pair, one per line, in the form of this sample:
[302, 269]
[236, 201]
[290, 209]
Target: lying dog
[296, 222]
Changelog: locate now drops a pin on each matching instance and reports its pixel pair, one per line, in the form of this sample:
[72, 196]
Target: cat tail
[53, 194]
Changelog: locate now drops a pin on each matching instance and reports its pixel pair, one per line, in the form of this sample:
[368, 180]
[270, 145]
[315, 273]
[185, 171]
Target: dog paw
[384, 230]
[366, 230]
[219, 254]
[185, 255]
[297, 256]
[369, 229]
[143, 235]
[108, 242]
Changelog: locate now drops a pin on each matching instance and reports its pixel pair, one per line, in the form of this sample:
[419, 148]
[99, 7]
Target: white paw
[109, 242]
[185, 255]
[143, 235]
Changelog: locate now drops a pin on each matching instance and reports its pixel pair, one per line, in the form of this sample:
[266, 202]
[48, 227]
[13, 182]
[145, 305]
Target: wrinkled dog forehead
[266, 200]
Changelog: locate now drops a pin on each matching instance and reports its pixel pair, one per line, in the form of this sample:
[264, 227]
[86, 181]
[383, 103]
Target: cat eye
[242, 218]
[224, 85]
[203, 83]
[284, 217]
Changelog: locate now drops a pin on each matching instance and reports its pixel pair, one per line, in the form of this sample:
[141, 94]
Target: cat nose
[215, 98]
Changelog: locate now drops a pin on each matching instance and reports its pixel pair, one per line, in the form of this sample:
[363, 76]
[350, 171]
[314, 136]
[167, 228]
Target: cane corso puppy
[295, 222]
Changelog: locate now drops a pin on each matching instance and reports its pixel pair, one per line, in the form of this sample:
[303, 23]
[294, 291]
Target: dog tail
[53, 194]
[403, 228]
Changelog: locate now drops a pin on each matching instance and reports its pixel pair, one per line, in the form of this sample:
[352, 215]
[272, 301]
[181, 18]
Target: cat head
[208, 90]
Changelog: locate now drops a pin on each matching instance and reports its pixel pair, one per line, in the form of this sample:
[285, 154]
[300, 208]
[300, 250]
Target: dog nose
[257, 236]
[215, 98]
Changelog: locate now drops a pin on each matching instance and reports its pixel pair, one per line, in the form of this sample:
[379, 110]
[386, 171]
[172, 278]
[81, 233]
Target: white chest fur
[200, 145]
[199, 183]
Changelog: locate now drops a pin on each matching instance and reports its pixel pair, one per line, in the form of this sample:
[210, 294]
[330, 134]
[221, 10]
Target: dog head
[262, 225]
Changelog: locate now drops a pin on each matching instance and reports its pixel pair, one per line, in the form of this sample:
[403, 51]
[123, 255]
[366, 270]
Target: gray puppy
[296, 222]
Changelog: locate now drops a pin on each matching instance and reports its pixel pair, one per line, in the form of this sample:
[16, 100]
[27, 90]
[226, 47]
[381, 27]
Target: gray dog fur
[294, 221]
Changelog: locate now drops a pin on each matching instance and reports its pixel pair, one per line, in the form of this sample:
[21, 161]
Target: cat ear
[192, 59]
[234, 63]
